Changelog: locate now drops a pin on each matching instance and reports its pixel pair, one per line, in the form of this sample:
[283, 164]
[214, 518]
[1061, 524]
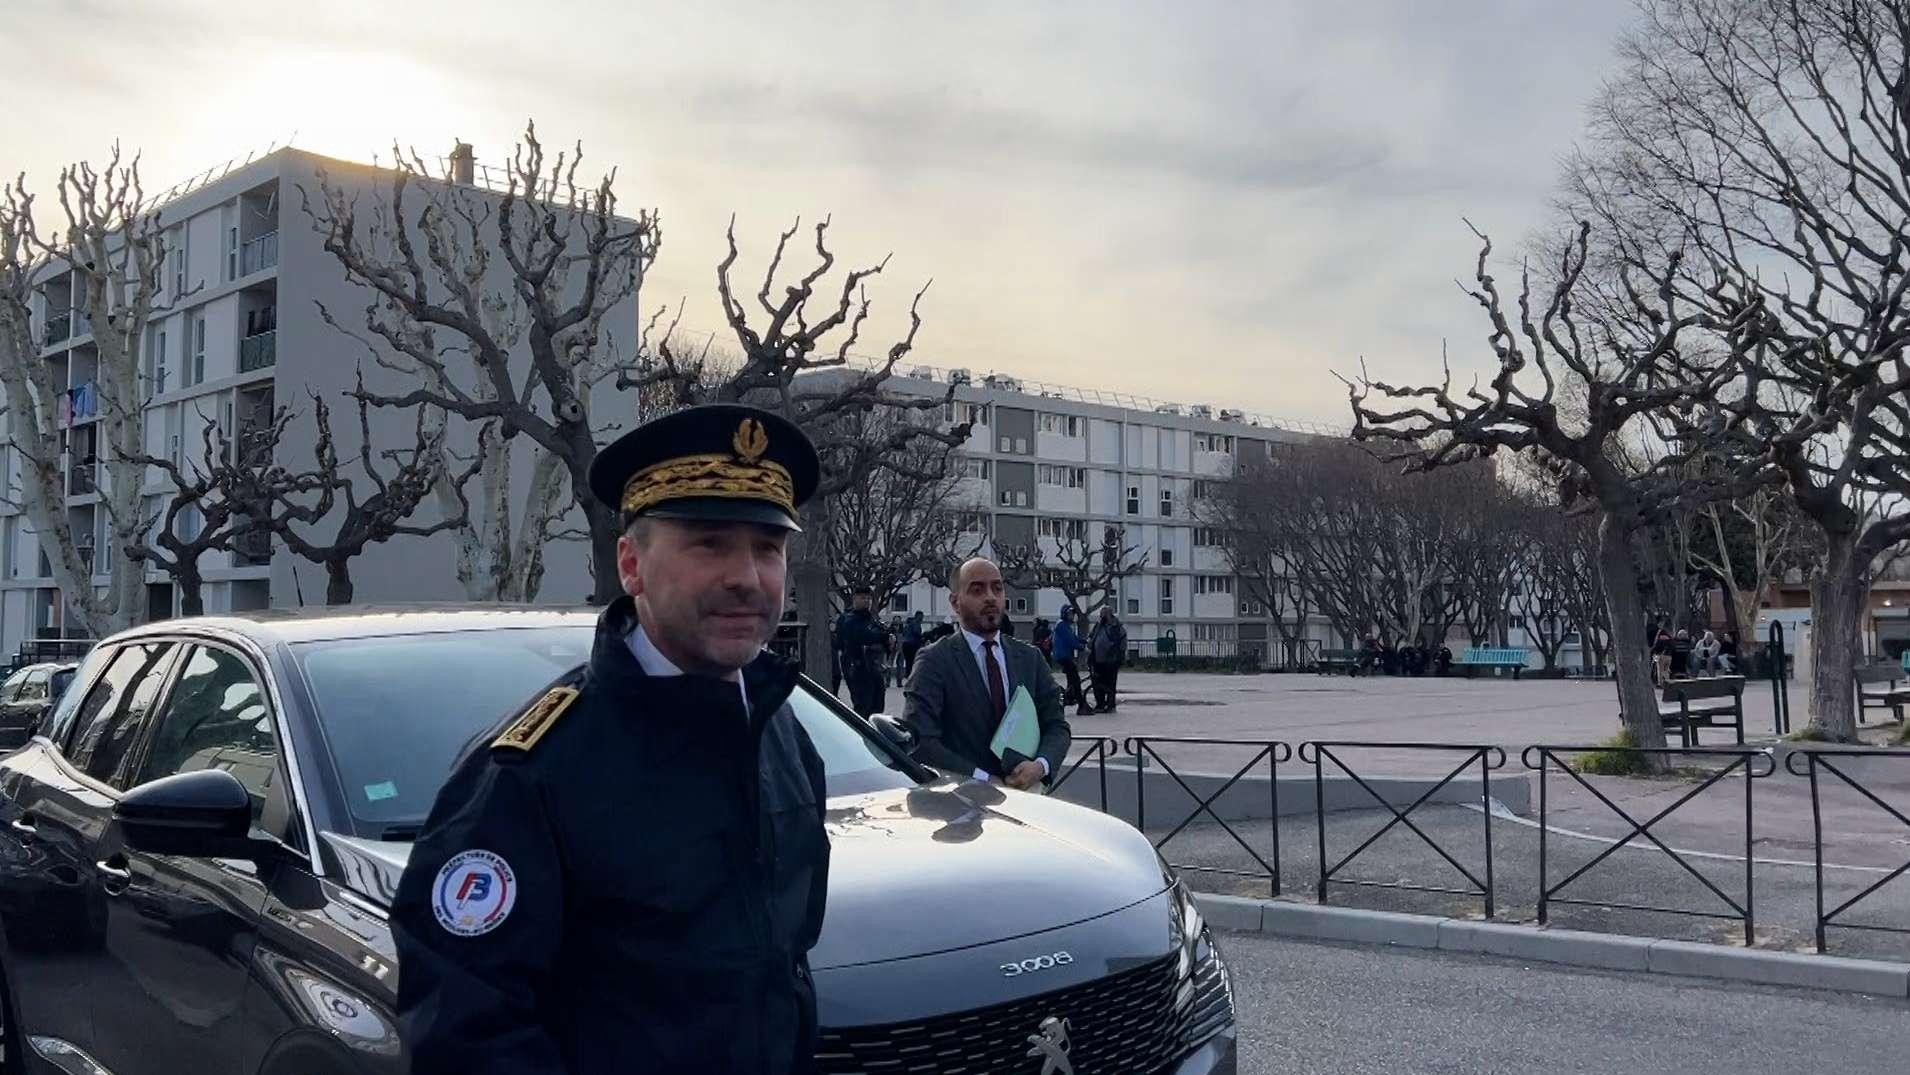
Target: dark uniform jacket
[862, 640]
[668, 868]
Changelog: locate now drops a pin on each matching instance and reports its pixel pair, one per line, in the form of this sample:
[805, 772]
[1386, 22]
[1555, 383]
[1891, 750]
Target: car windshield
[396, 710]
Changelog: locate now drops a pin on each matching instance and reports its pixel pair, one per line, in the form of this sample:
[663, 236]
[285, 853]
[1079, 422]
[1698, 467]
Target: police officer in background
[863, 644]
[627, 876]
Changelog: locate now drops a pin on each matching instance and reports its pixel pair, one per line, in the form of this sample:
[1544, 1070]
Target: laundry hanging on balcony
[79, 403]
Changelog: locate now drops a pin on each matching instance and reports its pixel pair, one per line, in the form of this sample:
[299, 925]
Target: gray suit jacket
[947, 706]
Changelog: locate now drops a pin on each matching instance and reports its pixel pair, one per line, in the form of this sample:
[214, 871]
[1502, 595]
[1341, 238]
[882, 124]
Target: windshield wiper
[402, 834]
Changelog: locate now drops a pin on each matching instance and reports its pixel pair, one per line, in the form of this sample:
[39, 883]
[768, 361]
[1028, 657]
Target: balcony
[259, 254]
[258, 351]
[83, 479]
[58, 328]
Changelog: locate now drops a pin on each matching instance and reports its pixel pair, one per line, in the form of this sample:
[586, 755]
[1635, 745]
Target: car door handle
[24, 827]
[112, 872]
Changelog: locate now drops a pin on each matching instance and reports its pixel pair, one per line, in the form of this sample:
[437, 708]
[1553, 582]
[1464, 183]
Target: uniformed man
[627, 876]
[863, 643]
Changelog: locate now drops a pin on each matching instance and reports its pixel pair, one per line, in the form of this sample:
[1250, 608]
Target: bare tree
[291, 506]
[1620, 377]
[904, 522]
[199, 519]
[1766, 139]
[799, 360]
[1088, 573]
[110, 254]
[1251, 532]
[451, 318]
[1747, 544]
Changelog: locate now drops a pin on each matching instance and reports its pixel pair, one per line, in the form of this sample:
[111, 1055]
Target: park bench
[1478, 657]
[1337, 660]
[1882, 686]
[1715, 697]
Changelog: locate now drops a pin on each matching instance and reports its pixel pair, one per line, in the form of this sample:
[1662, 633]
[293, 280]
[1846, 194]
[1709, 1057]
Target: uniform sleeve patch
[474, 893]
[526, 730]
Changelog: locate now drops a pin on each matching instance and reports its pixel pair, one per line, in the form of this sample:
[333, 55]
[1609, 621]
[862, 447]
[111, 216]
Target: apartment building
[1046, 464]
[239, 334]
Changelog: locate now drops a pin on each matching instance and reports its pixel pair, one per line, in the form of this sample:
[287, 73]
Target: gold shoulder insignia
[526, 730]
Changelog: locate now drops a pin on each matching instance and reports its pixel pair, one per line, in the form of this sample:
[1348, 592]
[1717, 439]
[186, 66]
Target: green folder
[1020, 730]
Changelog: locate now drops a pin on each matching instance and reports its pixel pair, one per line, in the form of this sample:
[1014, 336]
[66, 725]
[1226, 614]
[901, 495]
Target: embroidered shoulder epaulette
[527, 729]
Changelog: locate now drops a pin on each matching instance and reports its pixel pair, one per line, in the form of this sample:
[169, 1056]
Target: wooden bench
[1882, 686]
[1337, 660]
[1477, 657]
[1715, 697]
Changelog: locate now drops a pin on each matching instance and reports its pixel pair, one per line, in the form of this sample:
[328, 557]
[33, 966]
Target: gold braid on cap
[745, 475]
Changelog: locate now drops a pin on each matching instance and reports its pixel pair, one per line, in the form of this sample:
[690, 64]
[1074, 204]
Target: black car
[198, 848]
[26, 695]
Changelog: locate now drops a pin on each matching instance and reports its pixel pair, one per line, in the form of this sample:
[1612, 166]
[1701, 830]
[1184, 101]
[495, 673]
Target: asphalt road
[1343, 1009]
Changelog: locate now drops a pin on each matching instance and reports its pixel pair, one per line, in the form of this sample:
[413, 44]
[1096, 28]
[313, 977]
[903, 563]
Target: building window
[1206, 537]
[195, 364]
[971, 467]
[961, 413]
[1061, 477]
[1133, 500]
[178, 258]
[1134, 606]
[1201, 490]
[1213, 442]
[1167, 557]
[1060, 425]
[972, 522]
[1167, 503]
[1204, 584]
[1007, 445]
[232, 253]
[1251, 607]
[1063, 529]
[1167, 597]
[156, 371]
[899, 602]
[1007, 498]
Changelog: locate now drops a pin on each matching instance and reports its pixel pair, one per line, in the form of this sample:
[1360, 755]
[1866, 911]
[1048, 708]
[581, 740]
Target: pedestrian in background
[1661, 657]
[911, 643]
[1107, 650]
[1067, 653]
[1681, 648]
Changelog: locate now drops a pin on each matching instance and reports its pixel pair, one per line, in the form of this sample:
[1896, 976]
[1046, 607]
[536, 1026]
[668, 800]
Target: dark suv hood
[924, 870]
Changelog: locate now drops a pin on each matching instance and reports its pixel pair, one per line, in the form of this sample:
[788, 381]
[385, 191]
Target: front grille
[1124, 1024]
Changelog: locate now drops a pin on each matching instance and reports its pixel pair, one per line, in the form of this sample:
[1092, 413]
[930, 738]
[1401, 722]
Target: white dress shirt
[975, 644]
[654, 663]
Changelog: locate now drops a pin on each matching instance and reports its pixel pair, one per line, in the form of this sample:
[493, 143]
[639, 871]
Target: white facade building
[241, 334]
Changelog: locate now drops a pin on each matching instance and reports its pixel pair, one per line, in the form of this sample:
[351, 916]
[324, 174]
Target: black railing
[1272, 752]
[259, 254]
[1487, 758]
[58, 328]
[1822, 758]
[1099, 747]
[258, 352]
[1544, 759]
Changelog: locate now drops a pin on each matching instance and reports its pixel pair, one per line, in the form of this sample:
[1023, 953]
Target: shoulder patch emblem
[526, 730]
[474, 893]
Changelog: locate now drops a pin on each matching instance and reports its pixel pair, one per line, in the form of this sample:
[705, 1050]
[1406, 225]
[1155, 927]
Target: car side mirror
[203, 814]
[895, 732]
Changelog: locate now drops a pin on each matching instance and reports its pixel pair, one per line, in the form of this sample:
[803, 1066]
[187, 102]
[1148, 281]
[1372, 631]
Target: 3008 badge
[474, 893]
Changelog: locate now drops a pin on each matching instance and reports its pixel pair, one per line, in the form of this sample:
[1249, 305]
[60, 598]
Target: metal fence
[1743, 767]
[1832, 761]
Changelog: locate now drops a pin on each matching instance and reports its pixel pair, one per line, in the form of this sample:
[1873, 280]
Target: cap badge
[751, 440]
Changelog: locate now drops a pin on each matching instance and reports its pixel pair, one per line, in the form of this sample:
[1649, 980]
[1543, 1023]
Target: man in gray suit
[960, 687]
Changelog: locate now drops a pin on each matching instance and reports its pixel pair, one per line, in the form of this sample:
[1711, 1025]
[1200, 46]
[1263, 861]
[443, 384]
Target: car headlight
[1204, 995]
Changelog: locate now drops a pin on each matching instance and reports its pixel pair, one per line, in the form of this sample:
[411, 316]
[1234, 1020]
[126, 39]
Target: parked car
[26, 695]
[199, 848]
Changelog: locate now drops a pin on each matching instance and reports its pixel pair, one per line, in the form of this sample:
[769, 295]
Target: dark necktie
[997, 694]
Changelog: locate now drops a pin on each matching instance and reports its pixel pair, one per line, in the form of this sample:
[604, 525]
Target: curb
[1573, 948]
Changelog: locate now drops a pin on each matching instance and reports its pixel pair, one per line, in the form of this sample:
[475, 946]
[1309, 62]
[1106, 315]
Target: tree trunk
[1637, 700]
[192, 599]
[338, 587]
[606, 584]
[1837, 601]
[811, 577]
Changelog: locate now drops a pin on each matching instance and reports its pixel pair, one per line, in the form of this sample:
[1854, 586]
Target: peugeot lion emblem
[1051, 1047]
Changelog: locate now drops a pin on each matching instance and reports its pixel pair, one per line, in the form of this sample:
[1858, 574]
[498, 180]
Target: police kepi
[628, 872]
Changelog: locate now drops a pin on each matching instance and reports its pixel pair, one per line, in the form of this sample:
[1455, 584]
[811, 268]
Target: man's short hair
[639, 529]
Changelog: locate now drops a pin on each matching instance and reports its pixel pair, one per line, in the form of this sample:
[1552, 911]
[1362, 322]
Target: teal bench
[1337, 660]
[1477, 657]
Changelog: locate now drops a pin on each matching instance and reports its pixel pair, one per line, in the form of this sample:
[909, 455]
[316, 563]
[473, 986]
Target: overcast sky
[1206, 202]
